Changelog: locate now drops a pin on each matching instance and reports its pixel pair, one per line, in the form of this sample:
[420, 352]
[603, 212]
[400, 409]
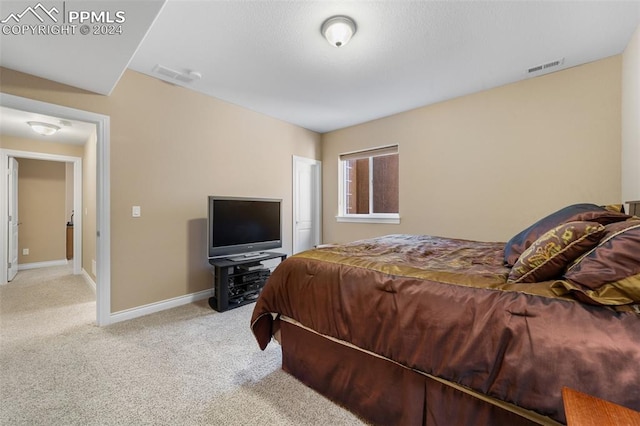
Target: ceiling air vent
[544, 67]
[183, 77]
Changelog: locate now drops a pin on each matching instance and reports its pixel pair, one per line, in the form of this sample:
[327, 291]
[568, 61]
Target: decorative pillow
[614, 207]
[576, 212]
[609, 274]
[550, 254]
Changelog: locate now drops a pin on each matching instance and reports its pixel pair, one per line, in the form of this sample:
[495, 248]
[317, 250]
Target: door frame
[5, 154]
[13, 236]
[103, 195]
[316, 197]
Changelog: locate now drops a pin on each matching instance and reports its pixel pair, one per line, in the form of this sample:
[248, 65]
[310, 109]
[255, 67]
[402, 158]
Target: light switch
[135, 211]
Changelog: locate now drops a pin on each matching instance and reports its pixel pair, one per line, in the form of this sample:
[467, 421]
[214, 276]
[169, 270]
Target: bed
[414, 329]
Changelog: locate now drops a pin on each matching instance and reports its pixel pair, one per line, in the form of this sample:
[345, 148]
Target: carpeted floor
[185, 366]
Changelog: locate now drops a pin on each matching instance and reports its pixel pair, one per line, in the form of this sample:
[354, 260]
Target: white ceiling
[269, 56]
[91, 62]
[14, 123]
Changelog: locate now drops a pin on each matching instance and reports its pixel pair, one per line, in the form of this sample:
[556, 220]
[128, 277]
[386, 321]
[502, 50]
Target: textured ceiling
[269, 56]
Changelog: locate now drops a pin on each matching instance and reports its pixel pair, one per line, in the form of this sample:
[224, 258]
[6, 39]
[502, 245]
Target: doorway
[307, 190]
[103, 221]
[12, 157]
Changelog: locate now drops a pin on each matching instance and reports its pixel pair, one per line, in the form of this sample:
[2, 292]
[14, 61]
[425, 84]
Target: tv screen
[238, 226]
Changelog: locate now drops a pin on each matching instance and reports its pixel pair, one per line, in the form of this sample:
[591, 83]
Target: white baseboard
[89, 280]
[35, 265]
[158, 306]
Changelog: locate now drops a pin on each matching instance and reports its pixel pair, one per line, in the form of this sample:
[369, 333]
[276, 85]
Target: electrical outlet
[25, 252]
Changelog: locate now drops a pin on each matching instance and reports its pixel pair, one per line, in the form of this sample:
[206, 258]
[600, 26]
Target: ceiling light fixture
[338, 30]
[44, 129]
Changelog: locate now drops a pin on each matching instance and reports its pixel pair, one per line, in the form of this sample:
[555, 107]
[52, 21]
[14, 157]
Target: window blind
[374, 152]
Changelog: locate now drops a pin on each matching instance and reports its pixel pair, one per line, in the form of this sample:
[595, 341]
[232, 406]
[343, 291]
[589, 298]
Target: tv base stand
[238, 281]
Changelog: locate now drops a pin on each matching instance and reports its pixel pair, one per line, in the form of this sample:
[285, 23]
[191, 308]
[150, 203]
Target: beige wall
[89, 212]
[631, 119]
[170, 148]
[41, 210]
[21, 144]
[485, 166]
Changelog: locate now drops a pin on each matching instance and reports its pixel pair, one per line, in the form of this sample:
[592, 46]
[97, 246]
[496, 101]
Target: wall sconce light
[44, 129]
[338, 30]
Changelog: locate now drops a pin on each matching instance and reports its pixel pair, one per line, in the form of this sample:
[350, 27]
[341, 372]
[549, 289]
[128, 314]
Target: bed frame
[384, 392]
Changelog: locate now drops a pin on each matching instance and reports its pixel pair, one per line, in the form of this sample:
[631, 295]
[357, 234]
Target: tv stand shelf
[239, 282]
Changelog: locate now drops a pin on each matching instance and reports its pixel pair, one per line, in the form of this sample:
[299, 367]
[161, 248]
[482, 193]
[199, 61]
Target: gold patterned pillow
[618, 208]
[549, 255]
[575, 212]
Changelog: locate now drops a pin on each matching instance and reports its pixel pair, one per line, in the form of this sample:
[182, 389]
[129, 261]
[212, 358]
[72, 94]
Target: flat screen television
[243, 227]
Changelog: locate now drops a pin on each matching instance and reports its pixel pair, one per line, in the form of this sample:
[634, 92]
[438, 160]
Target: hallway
[38, 301]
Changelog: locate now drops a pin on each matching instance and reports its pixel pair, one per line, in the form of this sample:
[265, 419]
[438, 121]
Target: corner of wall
[629, 119]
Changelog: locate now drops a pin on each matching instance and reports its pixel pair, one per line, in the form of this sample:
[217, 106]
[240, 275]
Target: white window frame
[343, 216]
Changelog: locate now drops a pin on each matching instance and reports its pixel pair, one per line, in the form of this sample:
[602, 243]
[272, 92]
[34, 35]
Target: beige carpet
[185, 366]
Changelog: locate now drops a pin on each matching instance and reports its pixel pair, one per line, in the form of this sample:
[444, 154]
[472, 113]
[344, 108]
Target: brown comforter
[443, 307]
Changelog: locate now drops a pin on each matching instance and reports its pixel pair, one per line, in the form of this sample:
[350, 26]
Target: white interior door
[306, 203]
[12, 230]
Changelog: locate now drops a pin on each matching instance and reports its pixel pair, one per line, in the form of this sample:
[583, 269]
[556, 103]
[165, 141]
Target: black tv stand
[238, 281]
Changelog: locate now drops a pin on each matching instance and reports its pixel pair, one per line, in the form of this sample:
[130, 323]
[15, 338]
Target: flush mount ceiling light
[44, 129]
[338, 30]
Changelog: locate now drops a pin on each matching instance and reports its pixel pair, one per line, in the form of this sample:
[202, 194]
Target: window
[369, 186]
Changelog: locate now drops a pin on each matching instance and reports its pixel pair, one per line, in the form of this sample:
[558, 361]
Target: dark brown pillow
[550, 254]
[617, 256]
[609, 274]
[576, 212]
